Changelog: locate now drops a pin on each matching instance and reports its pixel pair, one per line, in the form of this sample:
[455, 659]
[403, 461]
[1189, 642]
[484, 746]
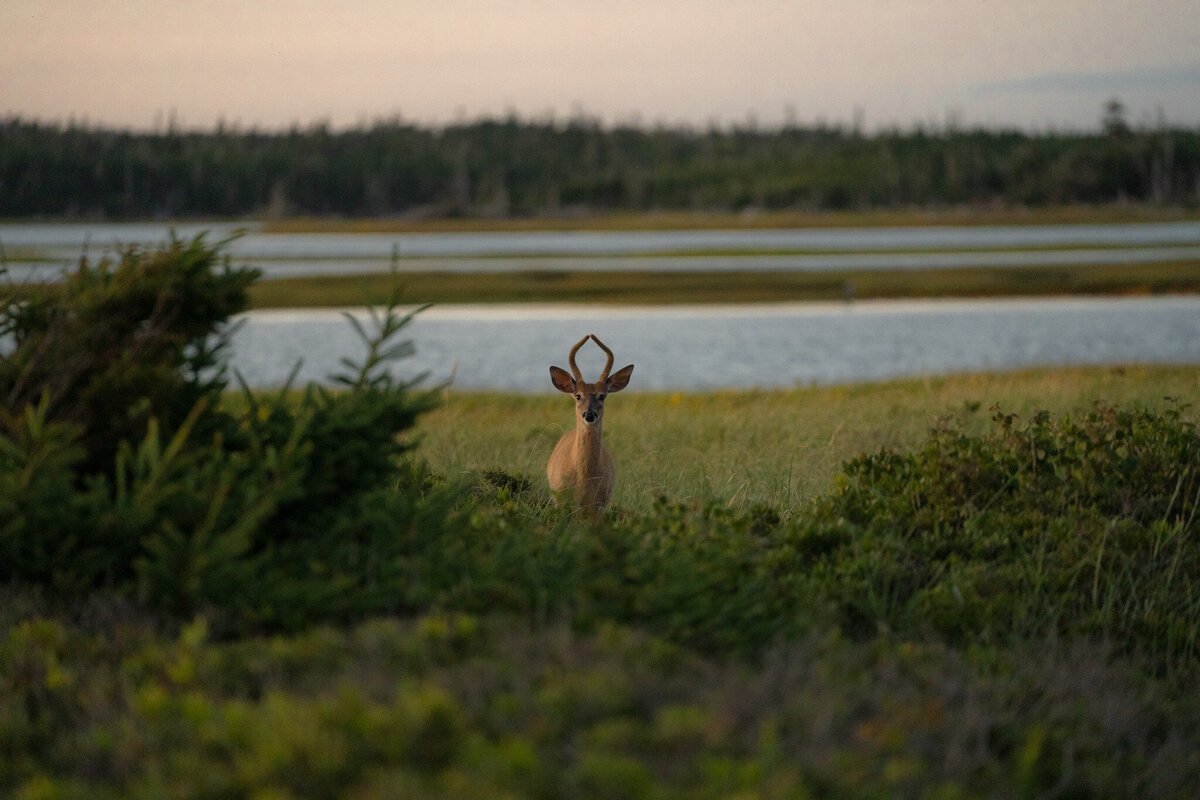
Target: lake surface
[684, 348]
[69, 239]
[42, 250]
[510, 348]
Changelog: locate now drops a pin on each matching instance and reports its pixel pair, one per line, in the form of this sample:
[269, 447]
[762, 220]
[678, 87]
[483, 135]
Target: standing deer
[580, 463]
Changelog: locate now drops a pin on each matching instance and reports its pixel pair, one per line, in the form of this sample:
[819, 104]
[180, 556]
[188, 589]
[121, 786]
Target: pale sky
[1035, 64]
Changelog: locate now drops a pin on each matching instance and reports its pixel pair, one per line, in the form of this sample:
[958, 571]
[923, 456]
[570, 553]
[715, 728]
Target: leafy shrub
[1082, 526]
[449, 705]
[121, 466]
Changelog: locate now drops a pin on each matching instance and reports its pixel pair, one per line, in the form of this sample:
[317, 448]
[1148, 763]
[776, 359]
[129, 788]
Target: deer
[580, 465]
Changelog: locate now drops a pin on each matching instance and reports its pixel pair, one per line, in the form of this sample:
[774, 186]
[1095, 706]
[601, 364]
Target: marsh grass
[682, 220]
[639, 288]
[772, 447]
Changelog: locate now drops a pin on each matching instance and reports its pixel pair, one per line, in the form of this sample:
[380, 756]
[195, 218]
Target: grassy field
[778, 447]
[537, 285]
[729, 287]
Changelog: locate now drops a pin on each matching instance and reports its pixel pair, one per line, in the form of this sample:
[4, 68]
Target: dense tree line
[511, 167]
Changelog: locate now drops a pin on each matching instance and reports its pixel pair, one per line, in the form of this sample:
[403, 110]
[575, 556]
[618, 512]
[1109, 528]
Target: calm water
[58, 246]
[694, 348]
[510, 348]
[70, 239]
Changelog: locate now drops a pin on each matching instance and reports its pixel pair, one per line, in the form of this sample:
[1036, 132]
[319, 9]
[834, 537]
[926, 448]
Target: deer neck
[588, 445]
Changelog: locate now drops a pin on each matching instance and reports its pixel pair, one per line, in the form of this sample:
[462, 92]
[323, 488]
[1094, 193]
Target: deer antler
[571, 359]
[609, 355]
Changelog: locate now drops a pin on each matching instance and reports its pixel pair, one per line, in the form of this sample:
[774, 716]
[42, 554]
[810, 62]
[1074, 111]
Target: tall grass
[772, 447]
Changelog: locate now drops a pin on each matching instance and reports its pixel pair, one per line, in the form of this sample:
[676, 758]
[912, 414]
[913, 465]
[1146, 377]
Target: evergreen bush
[122, 467]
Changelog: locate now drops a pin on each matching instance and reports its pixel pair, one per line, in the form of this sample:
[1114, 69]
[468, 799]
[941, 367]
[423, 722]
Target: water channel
[41, 251]
[737, 347]
[689, 348]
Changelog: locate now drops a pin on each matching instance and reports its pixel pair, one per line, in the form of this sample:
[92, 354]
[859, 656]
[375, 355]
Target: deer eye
[601, 397]
[578, 396]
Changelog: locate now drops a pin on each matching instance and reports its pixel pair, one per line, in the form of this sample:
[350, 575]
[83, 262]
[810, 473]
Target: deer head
[589, 397]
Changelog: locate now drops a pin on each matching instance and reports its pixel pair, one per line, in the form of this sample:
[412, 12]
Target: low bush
[1075, 526]
[453, 705]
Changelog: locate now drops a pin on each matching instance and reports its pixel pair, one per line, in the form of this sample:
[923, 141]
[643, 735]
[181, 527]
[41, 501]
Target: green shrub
[118, 343]
[121, 467]
[457, 706]
[1082, 527]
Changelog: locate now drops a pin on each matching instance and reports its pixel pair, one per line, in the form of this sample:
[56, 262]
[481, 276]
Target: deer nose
[589, 416]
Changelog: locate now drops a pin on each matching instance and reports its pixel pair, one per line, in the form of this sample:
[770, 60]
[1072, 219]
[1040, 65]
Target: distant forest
[515, 168]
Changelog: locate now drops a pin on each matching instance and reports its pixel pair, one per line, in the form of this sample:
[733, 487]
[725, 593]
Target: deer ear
[620, 380]
[562, 380]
